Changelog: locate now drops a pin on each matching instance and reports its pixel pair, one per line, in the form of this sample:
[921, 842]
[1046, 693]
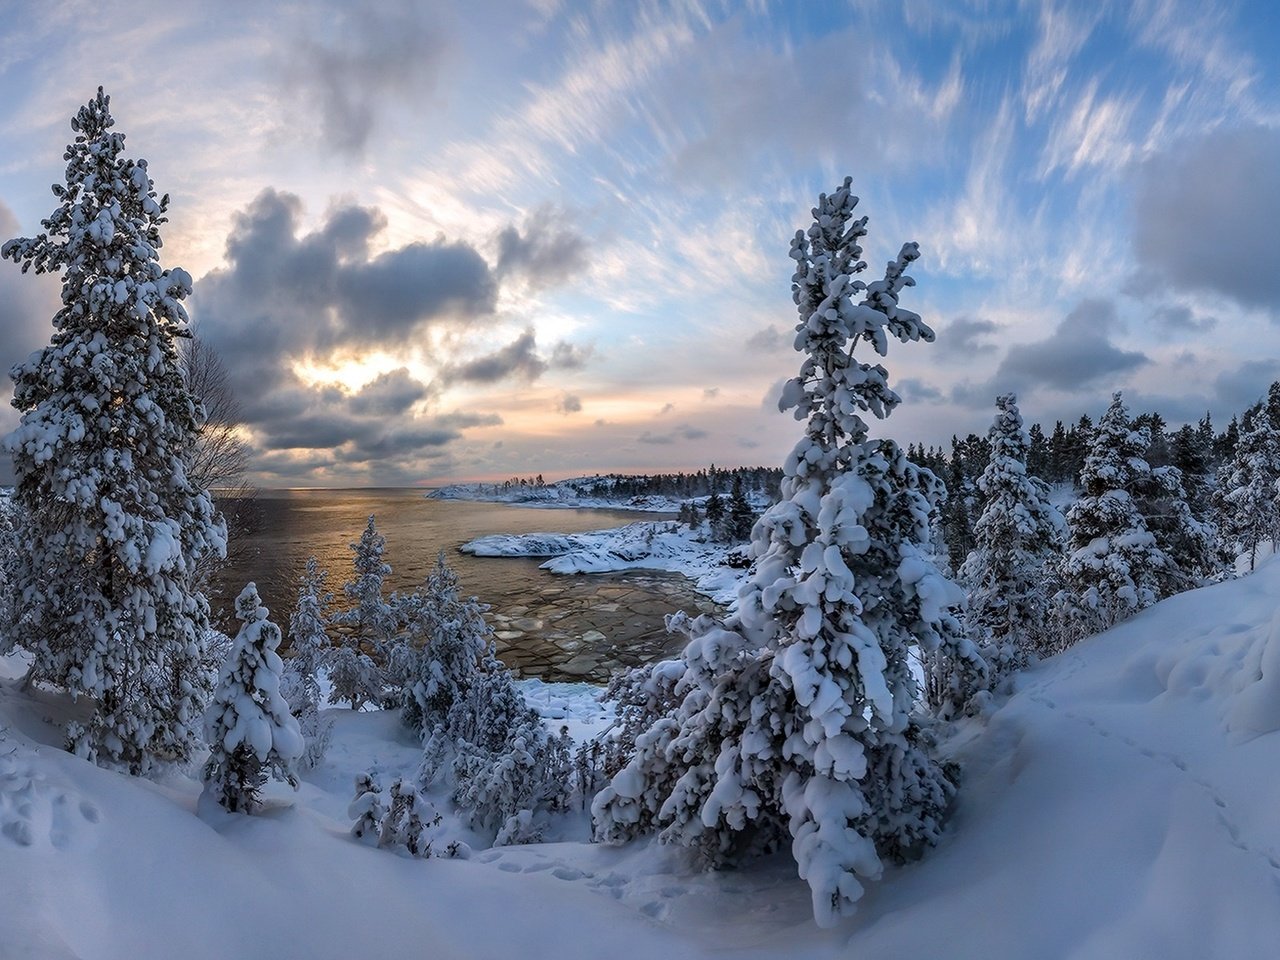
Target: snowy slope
[1121, 804]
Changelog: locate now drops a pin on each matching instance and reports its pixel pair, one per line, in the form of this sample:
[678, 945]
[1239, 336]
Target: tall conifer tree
[113, 528]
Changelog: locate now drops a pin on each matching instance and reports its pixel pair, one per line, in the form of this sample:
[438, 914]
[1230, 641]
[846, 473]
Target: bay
[549, 626]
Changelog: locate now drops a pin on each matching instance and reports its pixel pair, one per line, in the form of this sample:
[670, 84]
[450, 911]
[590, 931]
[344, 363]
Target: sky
[442, 241]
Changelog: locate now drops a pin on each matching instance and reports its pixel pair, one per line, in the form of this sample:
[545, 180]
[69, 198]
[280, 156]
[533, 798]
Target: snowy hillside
[1120, 804]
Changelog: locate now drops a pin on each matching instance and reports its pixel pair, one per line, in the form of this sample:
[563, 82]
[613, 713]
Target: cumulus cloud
[286, 293]
[1205, 215]
[373, 54]
[569, 403]
[1077, 355]
[547, 252]
[286, 296]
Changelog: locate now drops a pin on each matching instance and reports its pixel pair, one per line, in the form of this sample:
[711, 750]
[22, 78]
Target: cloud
[389, 394]
[1077, 355]
[549, 251]
[1179, 319]
[374, 54]
[285, 296]
[710, 393]
[666, 408]
[682, 432]
[1246, 384]
[519, 359]
[917, 391]
[966, 336]
[569, 403]
[1205, 215]
[769, 339]
[286, 293]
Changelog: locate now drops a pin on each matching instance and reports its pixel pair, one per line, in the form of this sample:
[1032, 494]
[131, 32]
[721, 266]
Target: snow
[647, 545]
[1119, 804]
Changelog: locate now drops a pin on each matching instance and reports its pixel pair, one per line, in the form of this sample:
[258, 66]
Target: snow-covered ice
[646, 545]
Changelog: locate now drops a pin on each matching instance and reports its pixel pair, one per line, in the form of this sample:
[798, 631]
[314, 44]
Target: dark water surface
[556, 627]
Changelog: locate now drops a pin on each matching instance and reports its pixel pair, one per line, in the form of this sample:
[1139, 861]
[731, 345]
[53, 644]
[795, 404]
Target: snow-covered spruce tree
[1019, 535]
[309, 650]
[112, 527]
[1113, 566]
[368, 629]
[506, 766]
[450, 636]
[796, 715]
[1246, 499]
[249, 729]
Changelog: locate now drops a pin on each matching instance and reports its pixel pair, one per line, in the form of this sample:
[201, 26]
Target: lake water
[555, 627]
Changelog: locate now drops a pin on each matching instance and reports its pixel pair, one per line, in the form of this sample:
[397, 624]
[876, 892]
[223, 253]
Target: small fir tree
[249, 729]
[113, 529]
[795, 716]
[310, 650]
[1246, 501]
[450, 636]
[368, 629]
[1019, 535]
[1113, 566]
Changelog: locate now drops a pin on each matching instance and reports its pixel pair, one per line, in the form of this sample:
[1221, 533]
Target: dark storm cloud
[1077, 355]
[1205, 216]
[372, 54]
[549, 250]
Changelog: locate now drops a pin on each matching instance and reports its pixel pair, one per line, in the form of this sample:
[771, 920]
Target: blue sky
[496, 238]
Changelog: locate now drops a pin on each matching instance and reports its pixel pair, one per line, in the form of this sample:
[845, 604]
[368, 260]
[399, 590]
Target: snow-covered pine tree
[1113, 566]
[112, 528]
[249, 729]
[309, 650]
[1246, 499]
[368, 629]
[740, 517]
[1019, 535]
[796, 715]
[451, 638]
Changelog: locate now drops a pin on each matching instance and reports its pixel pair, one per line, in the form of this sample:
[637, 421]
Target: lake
[549, 626]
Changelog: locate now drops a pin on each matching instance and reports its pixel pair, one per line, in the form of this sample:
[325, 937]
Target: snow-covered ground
[569, 494]
[1121, 804]
[647, 545]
